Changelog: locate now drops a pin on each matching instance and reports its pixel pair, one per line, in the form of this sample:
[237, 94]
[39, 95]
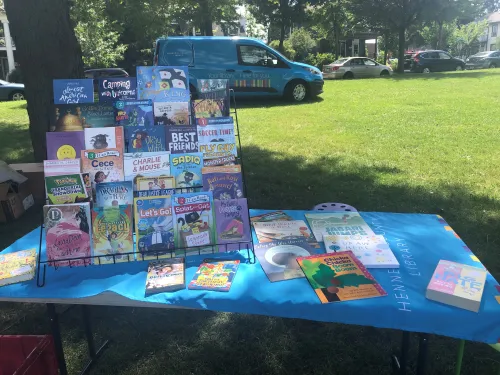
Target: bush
[301, 42]
[289, 51]
[319, 59]
[393, 63]
[15, 76]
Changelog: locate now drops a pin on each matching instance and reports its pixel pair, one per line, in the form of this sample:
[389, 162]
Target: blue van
[252, 67]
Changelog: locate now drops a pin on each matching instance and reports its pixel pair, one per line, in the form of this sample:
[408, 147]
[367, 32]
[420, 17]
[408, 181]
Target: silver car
[355, 67]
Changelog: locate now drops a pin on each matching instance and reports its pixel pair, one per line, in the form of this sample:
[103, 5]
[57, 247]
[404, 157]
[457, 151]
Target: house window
[492, 47]
[494, 30]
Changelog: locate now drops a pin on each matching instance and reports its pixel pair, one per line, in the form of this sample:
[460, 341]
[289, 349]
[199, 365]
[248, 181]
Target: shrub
[289, 52]
[319, 59]
[15, 76]
[301, 42]
[393, 63]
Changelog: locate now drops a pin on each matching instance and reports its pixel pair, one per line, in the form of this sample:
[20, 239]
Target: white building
[6, 44]
[493, 26]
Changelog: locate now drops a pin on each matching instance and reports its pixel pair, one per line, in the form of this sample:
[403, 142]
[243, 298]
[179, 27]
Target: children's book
[68, 234]
[112, 234]
[155, 186]
[284, 230]
[103, 165]
[150, 139]
[64, 145]
[225, 182]
[278, 259]
[216, 137]
[372, 251]
[165, 275]
[186, 169]
[17, 267]
[154, 228]
[61, 167]
[113, 89]
[337, 223]
[68, 91]
[458, 285]
[193, 218]
[171, 113]
[216, 276]
[76, 117]
[133, 113]
[113, 194]
[213, 89]
[337, 277]
[146, 164]
[163, 83]
[104, 138]
[88, 186]
[204, 108]
[68, 188]
[223, 160]
[182, 139]
[232, 223]
[271, 216]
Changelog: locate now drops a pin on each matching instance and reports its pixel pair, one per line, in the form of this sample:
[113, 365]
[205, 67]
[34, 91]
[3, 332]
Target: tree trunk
[206, 23]
[386, 38]
[440, 35]
[47, 49]
[282, 37]
[401, 49]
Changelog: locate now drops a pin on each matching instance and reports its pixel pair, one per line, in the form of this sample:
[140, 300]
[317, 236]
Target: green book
[64, 189]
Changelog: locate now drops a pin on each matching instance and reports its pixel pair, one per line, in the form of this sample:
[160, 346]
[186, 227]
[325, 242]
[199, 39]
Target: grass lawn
[419, 143]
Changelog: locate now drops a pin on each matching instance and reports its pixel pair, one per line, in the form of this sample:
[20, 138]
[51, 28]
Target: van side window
[257, 56]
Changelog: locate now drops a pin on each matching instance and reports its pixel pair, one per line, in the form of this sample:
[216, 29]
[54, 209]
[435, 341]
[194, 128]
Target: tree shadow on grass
[441, 75]
[15, 144]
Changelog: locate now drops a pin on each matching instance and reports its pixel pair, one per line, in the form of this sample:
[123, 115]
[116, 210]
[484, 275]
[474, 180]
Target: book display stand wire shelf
[219, 249]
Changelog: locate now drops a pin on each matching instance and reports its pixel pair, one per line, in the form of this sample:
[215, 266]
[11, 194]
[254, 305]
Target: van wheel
[192, 91]
[296, 91]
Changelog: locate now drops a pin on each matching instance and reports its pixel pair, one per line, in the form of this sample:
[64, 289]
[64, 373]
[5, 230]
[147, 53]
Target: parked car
[355, 67]
[408, 60]
[435, 61]
[11, 91]
[95, 74]
[252, 67]
[487, 59]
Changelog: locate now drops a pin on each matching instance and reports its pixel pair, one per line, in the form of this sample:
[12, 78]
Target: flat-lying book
[17, 267]
[165, 275]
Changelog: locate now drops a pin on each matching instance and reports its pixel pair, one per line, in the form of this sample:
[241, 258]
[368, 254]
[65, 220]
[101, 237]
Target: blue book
[109, 194]
[186, 169]
[68, 91]
[139, 139]
[134, 113]
[163, 83]
[113, 89]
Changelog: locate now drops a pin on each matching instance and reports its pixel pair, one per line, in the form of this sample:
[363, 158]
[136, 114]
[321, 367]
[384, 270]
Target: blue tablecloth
[418, 241]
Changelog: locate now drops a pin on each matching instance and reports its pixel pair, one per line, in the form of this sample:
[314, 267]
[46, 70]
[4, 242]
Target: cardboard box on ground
[15, 193]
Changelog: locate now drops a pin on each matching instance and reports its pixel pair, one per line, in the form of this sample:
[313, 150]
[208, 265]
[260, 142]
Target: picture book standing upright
[121, 88]
[146, 164]
[186, 169]
[65, 189]
[61, 167]
[64, 145]
[225, 182]
[155, 186]
[150, 139]
[216, 276]
[134, 113]
[103, 165]
[163, 83]
[337, 223]
[104, 138]
[216, 137]
[77, 117]
[233, 224]
[171, 113]
[181, 139]
[112, 194]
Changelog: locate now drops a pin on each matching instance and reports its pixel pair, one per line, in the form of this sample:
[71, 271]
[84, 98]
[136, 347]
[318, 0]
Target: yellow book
[17, 267]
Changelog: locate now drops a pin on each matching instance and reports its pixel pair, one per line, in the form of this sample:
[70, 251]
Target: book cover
[150, 139]
[165, 276]
[186, 169]
[103, 165]
[104, 138]
[337, 277]
[216, 137]
[17, 267]
[225, 182]
[154, 228]
[113, 89]
[68, 91]
[284, 230]
[216, 276]
[213, 89]
[182, 139]
[338, 224]
[372, 251]
[171, 113]
[271, 216]
[146, 164]
[203, 108]
[458, 285]
[112, 194]
[69, 188]
[61, 167]
[193, 219]
[223, 160]
[64, 145]
[155, 186]
[76, 117]
[88, 185]
[163, 83]
[278, 259]
[112, 234]
[133, 113]
[232, 222]
[68, 234]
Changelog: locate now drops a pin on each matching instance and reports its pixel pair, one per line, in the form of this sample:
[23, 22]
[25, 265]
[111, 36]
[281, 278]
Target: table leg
[405, 347]
[460, 357]
[56, 334]
[93, 354]
[422, 353]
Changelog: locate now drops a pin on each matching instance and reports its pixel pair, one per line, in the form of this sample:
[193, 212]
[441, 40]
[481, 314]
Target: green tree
[466, 37]
[302, 42]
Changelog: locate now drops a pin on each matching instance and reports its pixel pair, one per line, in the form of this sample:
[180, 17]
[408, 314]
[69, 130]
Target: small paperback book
[193, 218]
[171, 113]
[278, 259]
[104, 138]
[76, 117]
[337, 223]
[372, 251]
[213, 89]
[163, 83]
[458, 285]
[134, 113]
[181, 139]
[205, 108]
[216, 137]
[337, 277]
[233, 224]
[186, 169]
[68, 234]
[271, 216]
[154, 229]
[64, 145]
[68, 188]
[225, 182]
[103, 165]
[61, 167]
[67, 91]
[112, 234]
[113, 89]
[145, 139]
[166, 275]
[112, 194]
[146, 164]
[284, 230]
[17, 267]
[155, 186]
[216, 276]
